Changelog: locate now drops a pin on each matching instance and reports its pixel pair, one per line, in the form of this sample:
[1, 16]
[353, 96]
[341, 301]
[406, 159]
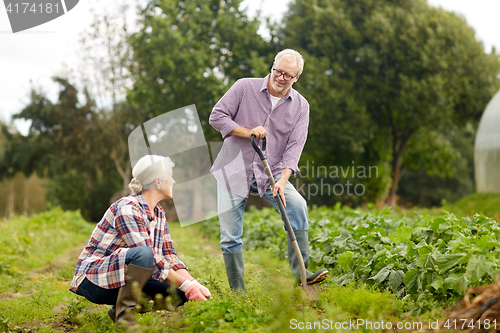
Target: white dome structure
[487, 149]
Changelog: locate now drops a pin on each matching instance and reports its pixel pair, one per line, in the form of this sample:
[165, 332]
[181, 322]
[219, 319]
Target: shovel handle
[281, 206]
[267, 169]
[261, 152]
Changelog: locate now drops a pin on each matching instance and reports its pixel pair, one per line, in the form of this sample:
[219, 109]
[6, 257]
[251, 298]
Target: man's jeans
[141, 256]
[231, 207]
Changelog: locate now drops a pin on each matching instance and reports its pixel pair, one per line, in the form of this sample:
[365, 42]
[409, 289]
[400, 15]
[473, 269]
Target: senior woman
[131, 247]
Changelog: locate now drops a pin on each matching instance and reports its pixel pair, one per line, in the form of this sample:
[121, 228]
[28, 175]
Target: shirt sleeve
[169, 252]
[223, 114]
[296, 141]
[130, 225]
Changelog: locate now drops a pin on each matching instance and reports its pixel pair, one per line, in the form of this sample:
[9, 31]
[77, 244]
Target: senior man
[265, 107]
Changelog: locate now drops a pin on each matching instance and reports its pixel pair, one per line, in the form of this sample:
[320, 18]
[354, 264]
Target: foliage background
[398, 85]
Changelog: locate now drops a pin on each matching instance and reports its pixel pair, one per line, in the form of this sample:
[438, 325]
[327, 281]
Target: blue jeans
[231, 207]
[141, 256]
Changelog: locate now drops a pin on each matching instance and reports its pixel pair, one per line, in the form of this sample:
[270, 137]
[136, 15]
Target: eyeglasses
[286, 76]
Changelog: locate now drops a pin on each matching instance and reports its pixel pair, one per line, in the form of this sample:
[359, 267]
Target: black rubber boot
[303, 242]
[112, 313]
[235, 270]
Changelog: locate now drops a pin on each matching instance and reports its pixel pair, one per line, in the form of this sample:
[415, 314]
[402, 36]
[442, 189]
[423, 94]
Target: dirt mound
[479, 311]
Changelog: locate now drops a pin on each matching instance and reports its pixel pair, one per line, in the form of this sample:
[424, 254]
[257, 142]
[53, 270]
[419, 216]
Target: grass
[36, 263]
[487, 204]
[477, 203]
[38, 256]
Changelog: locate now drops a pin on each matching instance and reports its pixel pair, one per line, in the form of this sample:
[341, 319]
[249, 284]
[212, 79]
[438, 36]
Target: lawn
[38, 255]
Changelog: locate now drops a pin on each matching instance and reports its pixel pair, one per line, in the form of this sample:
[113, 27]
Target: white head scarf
[147, 170]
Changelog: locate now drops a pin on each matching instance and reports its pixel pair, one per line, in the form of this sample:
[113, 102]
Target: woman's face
[169, 184]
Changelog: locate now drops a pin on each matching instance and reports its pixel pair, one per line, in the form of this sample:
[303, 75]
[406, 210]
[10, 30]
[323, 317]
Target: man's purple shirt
[248, 104]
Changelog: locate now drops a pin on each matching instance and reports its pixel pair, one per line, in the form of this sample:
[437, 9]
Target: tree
[397, 69]
[65, 145]
[437, 186]
[106, 58]
[189, 52]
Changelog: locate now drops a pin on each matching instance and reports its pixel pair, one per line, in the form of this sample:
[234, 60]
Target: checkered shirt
[126, 224]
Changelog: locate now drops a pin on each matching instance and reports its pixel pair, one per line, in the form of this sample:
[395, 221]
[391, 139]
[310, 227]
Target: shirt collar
[145, 206]
[290, 93]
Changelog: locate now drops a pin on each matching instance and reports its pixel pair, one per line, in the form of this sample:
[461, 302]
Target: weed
[74, 309]
[4, 324]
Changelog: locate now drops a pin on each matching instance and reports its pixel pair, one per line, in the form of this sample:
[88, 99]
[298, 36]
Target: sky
[33, 56]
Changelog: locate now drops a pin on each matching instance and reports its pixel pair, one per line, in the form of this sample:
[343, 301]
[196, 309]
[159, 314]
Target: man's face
[279, 84]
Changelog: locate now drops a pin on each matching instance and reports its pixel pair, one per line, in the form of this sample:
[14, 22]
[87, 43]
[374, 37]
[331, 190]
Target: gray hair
[147, 170]
[293, 56]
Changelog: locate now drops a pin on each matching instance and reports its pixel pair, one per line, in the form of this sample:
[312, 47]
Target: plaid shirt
[126, 224]
[248, 103]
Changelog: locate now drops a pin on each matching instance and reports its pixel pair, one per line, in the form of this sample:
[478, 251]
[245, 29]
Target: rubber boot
[235, 270]
[303, 242]
[112, 313]
[129, 295]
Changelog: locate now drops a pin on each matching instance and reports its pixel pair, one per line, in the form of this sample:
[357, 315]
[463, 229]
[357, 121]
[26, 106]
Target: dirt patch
[480, 305]
[69, 258]
[15, 295]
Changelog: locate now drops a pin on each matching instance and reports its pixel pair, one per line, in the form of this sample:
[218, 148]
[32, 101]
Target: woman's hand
[192, 291]
[185, 274]
[204, 290]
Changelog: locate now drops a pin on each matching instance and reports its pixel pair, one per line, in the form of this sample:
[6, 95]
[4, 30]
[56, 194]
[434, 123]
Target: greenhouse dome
[487, 149]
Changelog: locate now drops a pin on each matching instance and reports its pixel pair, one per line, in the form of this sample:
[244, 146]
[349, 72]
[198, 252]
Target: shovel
[288, 227]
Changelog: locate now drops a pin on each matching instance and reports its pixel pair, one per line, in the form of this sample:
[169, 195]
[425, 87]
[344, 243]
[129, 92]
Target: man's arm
[243, 132]
[296, 142]
[293, 150]
[223, 114]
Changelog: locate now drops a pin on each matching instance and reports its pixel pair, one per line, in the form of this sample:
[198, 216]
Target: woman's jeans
[231, 207]
[141, 256]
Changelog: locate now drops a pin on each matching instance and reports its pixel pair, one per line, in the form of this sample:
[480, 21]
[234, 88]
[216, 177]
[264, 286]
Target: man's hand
[258, 131]
[243, 132]
[281, 183]
[279, 186]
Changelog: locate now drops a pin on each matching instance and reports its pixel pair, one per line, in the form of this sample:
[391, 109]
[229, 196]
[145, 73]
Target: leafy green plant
[74, 309]
[427, 259]
[4, 324]
[222, 315]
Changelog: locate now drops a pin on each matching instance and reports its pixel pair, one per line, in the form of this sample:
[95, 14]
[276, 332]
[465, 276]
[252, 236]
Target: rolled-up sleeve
[296, 141]
[224, 112]
[169, 252]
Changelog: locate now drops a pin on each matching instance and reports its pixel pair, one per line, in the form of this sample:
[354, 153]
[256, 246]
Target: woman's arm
[175, 278]
[184, 273]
